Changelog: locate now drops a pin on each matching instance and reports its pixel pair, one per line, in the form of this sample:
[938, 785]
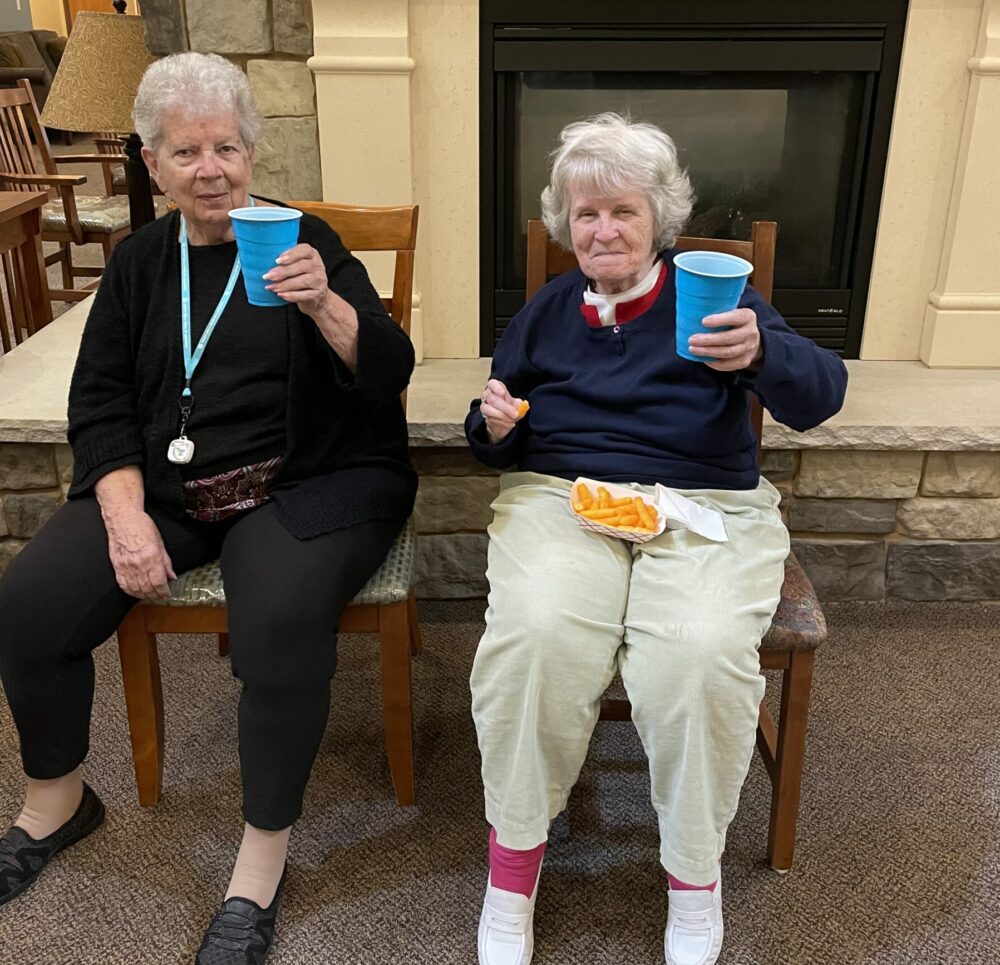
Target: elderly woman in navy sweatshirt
[680, 616]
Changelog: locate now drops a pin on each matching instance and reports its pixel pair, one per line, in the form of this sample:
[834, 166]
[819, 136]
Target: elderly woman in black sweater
[299, 481]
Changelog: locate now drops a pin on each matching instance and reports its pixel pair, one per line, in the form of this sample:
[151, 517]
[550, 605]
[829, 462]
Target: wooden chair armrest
[53, 180]
[90, 159]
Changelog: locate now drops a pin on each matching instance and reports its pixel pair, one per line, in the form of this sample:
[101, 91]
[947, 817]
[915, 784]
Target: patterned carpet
[899, 844]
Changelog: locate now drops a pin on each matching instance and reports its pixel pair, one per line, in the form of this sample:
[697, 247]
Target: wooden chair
[26, 296]
[385, 605]
[115, 181]
[68, 219]
[799, 626]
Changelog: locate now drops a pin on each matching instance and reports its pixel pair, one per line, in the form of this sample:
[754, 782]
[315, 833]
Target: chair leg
[416, 643]
[397, 702]
[223, 644]
[66, 263]
[144, 703]
[792, 720]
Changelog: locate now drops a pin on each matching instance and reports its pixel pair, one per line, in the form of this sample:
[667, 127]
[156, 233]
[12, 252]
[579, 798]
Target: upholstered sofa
[33, 54]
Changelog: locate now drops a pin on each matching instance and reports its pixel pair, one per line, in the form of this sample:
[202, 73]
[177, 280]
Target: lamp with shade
[94, 89]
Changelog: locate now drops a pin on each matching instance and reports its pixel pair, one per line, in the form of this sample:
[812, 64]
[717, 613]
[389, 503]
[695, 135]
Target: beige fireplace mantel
[397, 98]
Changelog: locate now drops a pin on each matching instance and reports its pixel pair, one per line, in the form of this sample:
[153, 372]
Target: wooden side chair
[799, 626]
[385, 605]
[115, 181]
[68, 219]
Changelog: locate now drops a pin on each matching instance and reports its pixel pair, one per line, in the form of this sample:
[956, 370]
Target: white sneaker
[694, 927]
[506, 927]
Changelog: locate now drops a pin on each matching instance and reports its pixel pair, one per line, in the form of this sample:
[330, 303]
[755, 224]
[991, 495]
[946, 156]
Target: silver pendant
[180, 450]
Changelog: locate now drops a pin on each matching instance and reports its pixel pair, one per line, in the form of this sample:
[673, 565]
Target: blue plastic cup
[261, 235]
[707, 283]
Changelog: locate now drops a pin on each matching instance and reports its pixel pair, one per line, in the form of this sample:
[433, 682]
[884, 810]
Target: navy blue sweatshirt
[619, 404]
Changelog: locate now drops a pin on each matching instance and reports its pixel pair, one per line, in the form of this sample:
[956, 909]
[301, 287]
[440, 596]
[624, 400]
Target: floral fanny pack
[230, 492]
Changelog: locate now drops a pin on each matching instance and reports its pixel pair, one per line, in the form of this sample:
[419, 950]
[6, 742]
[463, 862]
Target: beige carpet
[899, 844]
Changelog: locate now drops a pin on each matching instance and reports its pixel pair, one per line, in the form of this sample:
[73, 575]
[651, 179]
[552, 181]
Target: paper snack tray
[618, 492]
[673, 511]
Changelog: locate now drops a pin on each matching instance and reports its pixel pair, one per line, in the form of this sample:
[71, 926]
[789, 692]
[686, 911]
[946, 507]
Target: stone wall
[34, 478]
[865, 525]
[270, 40]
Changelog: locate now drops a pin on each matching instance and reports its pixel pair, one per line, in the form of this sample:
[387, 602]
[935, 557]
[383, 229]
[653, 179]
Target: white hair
[198, 85]
[610, 155]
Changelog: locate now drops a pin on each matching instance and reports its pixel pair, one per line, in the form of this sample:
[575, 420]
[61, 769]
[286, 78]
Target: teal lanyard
[191, 359]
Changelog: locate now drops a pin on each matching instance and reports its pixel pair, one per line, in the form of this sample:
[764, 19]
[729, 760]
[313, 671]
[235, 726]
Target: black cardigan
[346, 460]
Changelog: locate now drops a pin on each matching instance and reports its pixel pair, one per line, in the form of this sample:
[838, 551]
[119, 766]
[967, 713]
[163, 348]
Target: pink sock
[677, 885]
[515, 871]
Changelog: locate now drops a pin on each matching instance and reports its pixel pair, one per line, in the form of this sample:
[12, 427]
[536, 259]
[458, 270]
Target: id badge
[180, 450]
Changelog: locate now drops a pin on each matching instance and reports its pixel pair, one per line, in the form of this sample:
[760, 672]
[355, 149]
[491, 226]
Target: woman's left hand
[300, 279]
[735, 349]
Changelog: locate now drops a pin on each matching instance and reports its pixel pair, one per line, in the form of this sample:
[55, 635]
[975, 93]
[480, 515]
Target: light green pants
[680, 616]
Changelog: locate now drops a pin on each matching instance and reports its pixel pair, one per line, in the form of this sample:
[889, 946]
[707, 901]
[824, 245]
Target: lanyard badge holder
[181, 450]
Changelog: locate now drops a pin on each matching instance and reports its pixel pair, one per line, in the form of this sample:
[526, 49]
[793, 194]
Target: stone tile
[961, 474]
[843, 515]
[944, 571]
[932, 517]
[64, 460]
[27, 465]
[453, 504]
[451, 566]
[229, 26]
[282, 88]
[779, 464]
[860, 474]
[843, 569]
[293, 26]
[448, 461]
[27, 513]
[163, 21]
[286, 163]
[9, 548]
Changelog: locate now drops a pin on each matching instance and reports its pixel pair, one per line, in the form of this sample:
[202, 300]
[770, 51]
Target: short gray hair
[197, 85]
[611, 155]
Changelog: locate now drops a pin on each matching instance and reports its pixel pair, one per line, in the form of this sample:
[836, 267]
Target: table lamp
[94, 89]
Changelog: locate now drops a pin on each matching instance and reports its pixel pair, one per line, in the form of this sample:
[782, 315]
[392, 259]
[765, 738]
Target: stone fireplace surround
[898, 496]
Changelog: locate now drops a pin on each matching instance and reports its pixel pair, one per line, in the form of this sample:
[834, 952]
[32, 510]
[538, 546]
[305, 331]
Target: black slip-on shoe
[23, 858]
[241, 932]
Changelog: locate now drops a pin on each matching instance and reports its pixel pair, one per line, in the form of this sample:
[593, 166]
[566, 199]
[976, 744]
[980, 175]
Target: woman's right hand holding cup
[499, 409]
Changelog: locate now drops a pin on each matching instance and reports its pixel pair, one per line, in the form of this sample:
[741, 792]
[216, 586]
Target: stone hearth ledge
[890, 405]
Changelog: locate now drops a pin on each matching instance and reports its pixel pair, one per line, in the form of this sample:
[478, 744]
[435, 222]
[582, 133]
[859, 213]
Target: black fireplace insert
[780, 110]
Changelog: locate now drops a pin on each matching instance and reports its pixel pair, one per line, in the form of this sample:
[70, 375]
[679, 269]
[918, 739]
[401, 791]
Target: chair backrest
[547, 259]
[365, 228]
[18, 124]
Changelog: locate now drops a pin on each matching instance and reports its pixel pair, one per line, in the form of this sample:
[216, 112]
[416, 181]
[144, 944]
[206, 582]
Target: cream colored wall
[48, 15]
[926, 133]
[445, 45]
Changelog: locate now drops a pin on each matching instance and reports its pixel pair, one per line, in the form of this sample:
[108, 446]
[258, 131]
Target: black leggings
[59, 600]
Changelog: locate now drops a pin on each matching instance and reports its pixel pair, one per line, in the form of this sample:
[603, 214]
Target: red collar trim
[626, 311]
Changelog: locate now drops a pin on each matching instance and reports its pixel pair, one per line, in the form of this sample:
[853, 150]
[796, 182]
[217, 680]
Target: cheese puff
[522, 408]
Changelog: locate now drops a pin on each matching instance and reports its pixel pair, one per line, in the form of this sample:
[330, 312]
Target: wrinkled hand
[499, 409]
[735, 349]
[142, 566]
[300, 279]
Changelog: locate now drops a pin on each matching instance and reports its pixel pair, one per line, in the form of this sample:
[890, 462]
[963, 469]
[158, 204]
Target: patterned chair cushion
[99, 214]
[798, 622]
[391, 583]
